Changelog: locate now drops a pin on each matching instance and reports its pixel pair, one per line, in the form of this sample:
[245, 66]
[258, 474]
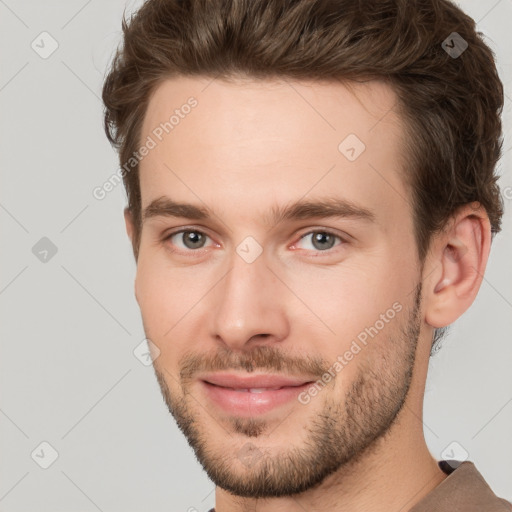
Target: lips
[256, 390]
[253, 383]
[251, 395]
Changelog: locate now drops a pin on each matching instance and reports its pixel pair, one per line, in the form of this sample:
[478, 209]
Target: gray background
[70, 324]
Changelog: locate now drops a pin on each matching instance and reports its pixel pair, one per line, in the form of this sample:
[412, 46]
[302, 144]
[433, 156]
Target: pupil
[193, 239]
[320, 238]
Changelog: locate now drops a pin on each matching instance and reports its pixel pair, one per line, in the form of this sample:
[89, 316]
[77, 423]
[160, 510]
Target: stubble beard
[337, 436]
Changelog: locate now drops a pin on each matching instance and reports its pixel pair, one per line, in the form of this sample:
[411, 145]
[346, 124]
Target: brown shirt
[463, 490]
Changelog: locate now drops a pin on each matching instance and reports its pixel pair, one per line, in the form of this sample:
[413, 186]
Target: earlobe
[458, 260]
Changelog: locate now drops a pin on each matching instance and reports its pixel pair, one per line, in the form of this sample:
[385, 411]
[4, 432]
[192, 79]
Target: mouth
[250, 390]
[252, 395]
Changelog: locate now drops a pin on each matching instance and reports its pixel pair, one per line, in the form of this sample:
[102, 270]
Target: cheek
[158, 303]
[153, 296]
[168, 299]
[359, 308]
[347, 298]
[161, 298]
[164, 292]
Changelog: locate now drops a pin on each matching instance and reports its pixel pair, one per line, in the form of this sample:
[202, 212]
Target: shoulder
[463, 489]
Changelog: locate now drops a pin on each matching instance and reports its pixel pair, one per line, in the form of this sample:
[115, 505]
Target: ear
[131, 232]
[456, 265]
[128, 220]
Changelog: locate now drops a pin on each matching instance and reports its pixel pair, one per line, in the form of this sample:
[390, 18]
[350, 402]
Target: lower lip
[246, 403]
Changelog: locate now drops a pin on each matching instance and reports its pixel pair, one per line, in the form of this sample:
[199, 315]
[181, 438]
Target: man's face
[247, 300]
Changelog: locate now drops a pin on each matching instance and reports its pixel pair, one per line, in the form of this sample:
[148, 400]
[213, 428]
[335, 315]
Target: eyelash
[200, 250]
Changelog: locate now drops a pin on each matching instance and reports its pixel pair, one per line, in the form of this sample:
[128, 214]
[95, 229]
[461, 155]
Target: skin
[247, 147]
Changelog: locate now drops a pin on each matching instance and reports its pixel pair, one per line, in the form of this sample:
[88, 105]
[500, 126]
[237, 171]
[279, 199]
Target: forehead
[272, 138]
[243, 107]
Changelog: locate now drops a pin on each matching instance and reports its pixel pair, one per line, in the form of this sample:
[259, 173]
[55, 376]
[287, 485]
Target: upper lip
[230, 380]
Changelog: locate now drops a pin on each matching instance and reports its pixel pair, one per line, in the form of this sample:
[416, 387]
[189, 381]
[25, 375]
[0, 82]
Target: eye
[321, 240]
[187, 239]
[191, 240]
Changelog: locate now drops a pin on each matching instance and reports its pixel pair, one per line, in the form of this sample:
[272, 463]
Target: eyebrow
[298, 210]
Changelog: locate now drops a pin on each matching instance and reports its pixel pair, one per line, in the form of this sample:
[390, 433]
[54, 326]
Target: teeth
[256, 390]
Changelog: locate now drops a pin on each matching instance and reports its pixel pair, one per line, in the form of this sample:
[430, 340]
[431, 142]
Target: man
[251, 134]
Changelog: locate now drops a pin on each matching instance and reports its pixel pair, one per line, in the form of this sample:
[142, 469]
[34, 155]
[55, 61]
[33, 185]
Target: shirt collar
[463, 489]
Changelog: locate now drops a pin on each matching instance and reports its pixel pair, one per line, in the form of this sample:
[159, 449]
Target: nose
[249, 305]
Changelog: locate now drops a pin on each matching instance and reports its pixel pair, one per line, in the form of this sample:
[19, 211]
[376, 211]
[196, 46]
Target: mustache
[266, 358]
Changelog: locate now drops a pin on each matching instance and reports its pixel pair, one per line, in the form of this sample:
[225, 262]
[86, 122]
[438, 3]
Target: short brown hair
[450, 103]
